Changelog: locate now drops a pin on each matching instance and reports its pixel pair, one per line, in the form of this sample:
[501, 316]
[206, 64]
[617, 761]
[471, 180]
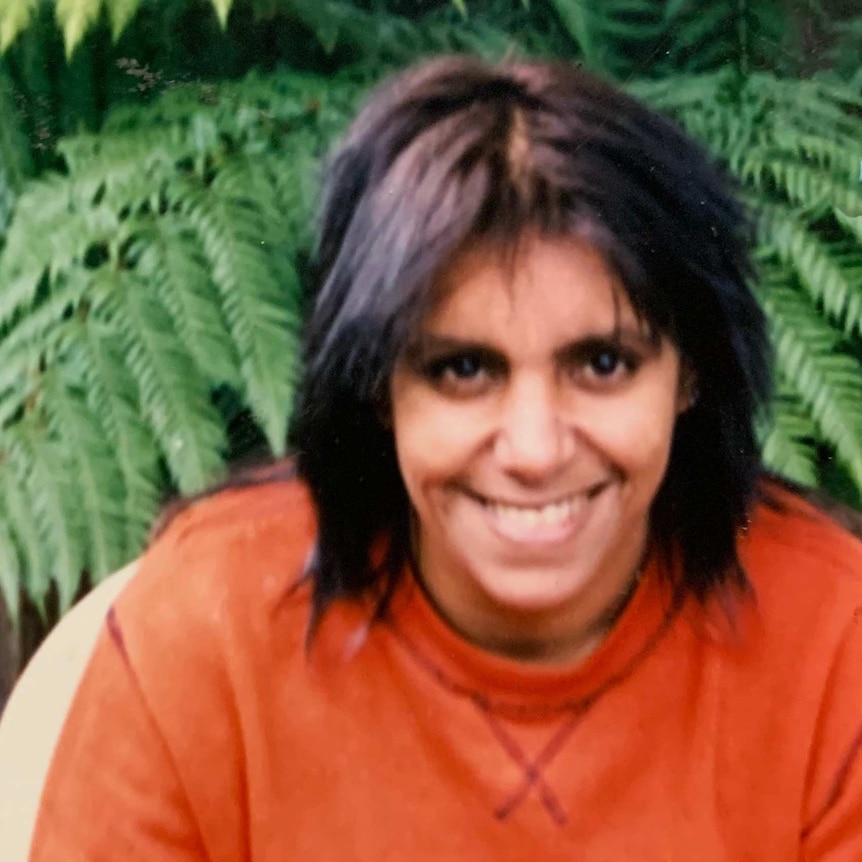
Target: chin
[533, 592]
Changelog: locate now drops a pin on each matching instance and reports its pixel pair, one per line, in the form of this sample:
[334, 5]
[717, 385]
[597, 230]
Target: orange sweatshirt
[203, 730]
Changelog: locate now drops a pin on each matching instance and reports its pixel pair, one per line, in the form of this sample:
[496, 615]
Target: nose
[533, 440]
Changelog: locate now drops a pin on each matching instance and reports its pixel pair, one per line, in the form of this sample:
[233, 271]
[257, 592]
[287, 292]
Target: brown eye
[464, 366]
[466, 373]
[606, 363]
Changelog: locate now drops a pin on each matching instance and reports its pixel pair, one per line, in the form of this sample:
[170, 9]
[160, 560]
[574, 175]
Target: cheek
[635, 434]
[433, 440]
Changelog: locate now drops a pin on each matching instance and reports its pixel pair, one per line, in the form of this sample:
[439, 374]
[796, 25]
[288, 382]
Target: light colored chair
[36, 710]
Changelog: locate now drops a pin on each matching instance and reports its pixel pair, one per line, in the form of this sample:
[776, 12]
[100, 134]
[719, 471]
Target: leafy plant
[161, 268]
[152, 275]
[15, 163]
[331, 21]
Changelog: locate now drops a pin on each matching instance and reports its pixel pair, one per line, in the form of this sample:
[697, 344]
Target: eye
[605, 365]
[464, 373]
[463, 367]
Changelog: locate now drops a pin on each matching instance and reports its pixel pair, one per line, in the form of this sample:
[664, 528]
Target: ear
[688, 392]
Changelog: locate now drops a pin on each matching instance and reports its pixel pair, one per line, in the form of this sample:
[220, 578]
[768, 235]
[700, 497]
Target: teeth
[553, 513]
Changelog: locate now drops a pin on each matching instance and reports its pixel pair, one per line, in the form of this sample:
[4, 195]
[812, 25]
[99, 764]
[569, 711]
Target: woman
[532, 594]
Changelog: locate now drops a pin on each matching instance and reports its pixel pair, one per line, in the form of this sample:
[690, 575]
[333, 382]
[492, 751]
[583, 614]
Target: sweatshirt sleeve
[832, 823]
[153, 762]
[113, 791]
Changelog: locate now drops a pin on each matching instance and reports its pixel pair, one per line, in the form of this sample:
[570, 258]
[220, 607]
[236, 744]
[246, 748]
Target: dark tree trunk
[17, 647]
[10, 654]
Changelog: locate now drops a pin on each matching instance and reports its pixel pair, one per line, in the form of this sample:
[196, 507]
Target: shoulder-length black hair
[458, 151]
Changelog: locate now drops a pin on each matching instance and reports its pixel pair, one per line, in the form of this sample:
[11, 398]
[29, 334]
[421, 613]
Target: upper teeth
[553, 513]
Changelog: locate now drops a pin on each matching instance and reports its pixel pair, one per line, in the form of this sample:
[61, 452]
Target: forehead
[545, 289]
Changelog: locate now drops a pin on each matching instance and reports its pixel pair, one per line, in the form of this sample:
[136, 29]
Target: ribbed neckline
[507, 685]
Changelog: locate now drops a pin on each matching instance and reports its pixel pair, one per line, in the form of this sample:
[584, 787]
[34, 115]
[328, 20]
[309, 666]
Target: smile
[544, 524]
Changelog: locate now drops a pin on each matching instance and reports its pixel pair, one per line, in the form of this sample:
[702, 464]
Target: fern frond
[601, 31]
[168, 256]
[75, 17]
[56, 504]
[174, 395]
[15, 161]
[40, 333]
[98, 483]
[263, 323]
[42, 242]
[15, 17]
[833, 152]
[17, 511]
[812, 364]
[815, 263]
[852, 224]
[10, 571]
[113, 397]
[814, 188]
[788, 441]
[120, 13]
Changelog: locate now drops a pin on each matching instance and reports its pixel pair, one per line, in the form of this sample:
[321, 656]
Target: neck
[560, 635]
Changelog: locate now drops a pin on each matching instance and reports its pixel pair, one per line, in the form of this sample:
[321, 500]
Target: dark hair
[457, 151]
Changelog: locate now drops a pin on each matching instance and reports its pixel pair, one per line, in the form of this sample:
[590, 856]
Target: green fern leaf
[18, 515]
[787, 442]
[814, 263]
[576, 16]
[15, 161]
[261, 321]
[852, 224]
[55, 503]
[75, 17]
[15, 16]
[113, 396]
[10, 572]
[98, 478]
[169, 257]
[814, 188]
[174, 395]
[222, 9]
[47, 241]
[810, 362]
[121, 12]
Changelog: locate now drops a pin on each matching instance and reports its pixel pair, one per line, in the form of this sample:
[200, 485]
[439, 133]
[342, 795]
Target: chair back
[36, 710]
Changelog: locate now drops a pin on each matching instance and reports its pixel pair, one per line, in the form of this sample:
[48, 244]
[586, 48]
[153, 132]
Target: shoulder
[804, 612]
[223, 572]
[800, 555]
[805, 565]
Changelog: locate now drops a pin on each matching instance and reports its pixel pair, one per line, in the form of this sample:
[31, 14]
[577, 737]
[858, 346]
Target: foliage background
[157, 180]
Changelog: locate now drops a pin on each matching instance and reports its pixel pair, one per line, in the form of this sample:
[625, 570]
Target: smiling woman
[533, 423]
[526, 590]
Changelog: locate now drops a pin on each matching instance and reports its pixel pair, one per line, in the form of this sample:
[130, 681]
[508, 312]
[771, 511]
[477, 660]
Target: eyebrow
[427, 343]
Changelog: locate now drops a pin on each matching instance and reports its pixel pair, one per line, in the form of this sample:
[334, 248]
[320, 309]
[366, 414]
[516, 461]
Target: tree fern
[633, 38]
[793, 146]
[152, 288]
[329, 20]
[159, 269]
[15, 163]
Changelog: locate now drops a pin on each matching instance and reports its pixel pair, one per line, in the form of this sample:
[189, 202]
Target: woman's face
[533, 420]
